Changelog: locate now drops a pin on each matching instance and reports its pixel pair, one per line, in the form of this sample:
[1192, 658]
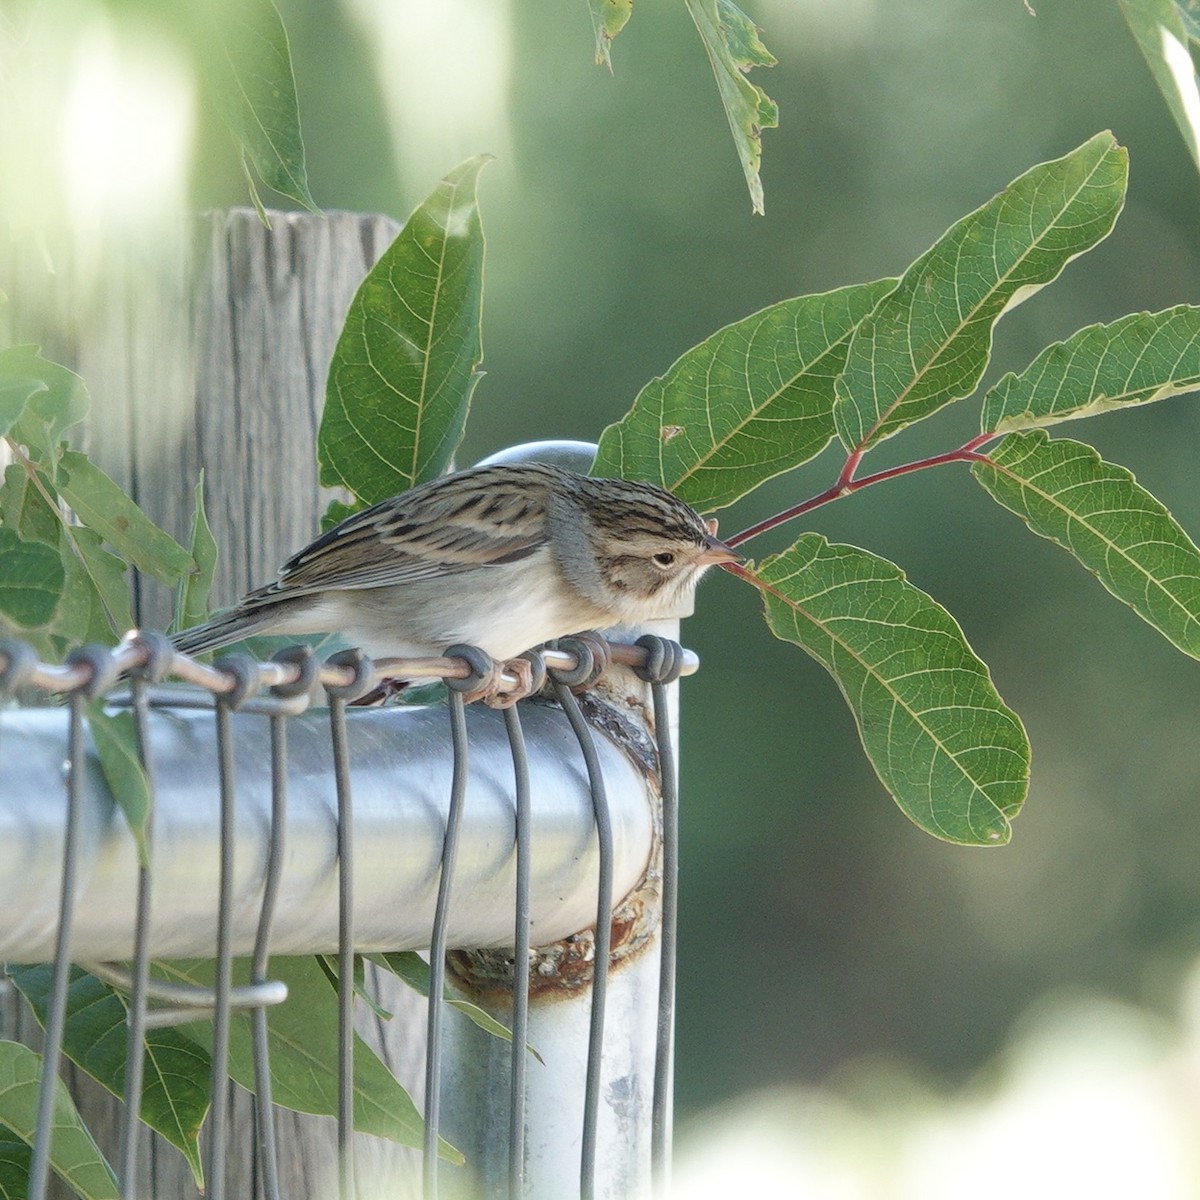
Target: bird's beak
[717, 552]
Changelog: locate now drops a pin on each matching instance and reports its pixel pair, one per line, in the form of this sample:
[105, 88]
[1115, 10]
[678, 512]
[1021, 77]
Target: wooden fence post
[216, 359]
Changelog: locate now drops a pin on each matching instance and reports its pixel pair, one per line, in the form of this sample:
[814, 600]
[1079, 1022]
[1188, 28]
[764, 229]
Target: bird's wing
[440, 529]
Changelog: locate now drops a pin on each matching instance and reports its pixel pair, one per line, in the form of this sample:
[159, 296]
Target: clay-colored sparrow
[500, 557]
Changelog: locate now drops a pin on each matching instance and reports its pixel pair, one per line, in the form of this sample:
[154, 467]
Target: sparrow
[500, 557]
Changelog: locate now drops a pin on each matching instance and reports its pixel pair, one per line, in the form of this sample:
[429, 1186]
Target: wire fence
[491, 887]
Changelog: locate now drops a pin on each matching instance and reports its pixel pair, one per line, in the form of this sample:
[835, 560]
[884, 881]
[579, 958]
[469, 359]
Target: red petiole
[846, 484]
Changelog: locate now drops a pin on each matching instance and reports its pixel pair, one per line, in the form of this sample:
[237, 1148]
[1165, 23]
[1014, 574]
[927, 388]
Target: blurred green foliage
[817, 925]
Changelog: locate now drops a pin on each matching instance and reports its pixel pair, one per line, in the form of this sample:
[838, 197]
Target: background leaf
[32, 583]
[106, 574]
[750, 402]
[733, 46]
[115, 738]
[175, 1084]
[414, 970]
[952, 754]
[609, 17]
[195, 587]
[1162, 36]
[1136, 360]
[407, 361]
[929, 341]
[103, 507]
[256, 90]
[73, 1154]
[50, 411]
[1064, 491]
[303, 1047]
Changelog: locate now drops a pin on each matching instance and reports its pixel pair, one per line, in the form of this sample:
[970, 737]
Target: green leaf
[48, 412]
[16, 1160]
[115, 738]
[952, 754]
[31, 585]
[195, 587]
[73, 1154]
[303, 1048]
[609, 17]
[102, 506]
[15, 393]
[25, 510]
[336, 512]
[1136, 360]
[1162, 34]
[748, 403]
[928, 343]
[1189, 17]
[106, 574]
[176, 1070]
[409, 966]
[407, 361]
[257, 90]
[1064, 491]
[731, 40]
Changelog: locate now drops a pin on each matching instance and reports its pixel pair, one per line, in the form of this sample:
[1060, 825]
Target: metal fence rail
[492, 831]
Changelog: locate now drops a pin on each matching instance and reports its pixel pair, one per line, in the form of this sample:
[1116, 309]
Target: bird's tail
[226, 627]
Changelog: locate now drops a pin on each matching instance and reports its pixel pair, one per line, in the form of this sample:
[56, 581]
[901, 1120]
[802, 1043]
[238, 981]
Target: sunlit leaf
[73, 1154]
[1064, 491]
[257, 92]
[928, 343]
[952, 754]
[176, 1070]
[748, 403]
[407, 361]
[49, 411]
[1161, 32]
[733, 46]
[1136, 360]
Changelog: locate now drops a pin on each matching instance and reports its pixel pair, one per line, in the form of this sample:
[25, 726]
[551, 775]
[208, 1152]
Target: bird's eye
[665, 558]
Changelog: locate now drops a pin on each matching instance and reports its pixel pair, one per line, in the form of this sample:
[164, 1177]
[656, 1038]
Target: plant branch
[846, 484]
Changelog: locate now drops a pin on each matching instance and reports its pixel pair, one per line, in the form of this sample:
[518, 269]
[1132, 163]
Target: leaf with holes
[609, 17]
[1064, 491]
[748, 403]
[928, 343]
[408, 358]
[73, 1154]
[953, 755]
[1139, 359]
[175, 1084]
[731, 40]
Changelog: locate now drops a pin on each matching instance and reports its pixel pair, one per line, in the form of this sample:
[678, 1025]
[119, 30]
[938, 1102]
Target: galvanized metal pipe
[401, 780]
